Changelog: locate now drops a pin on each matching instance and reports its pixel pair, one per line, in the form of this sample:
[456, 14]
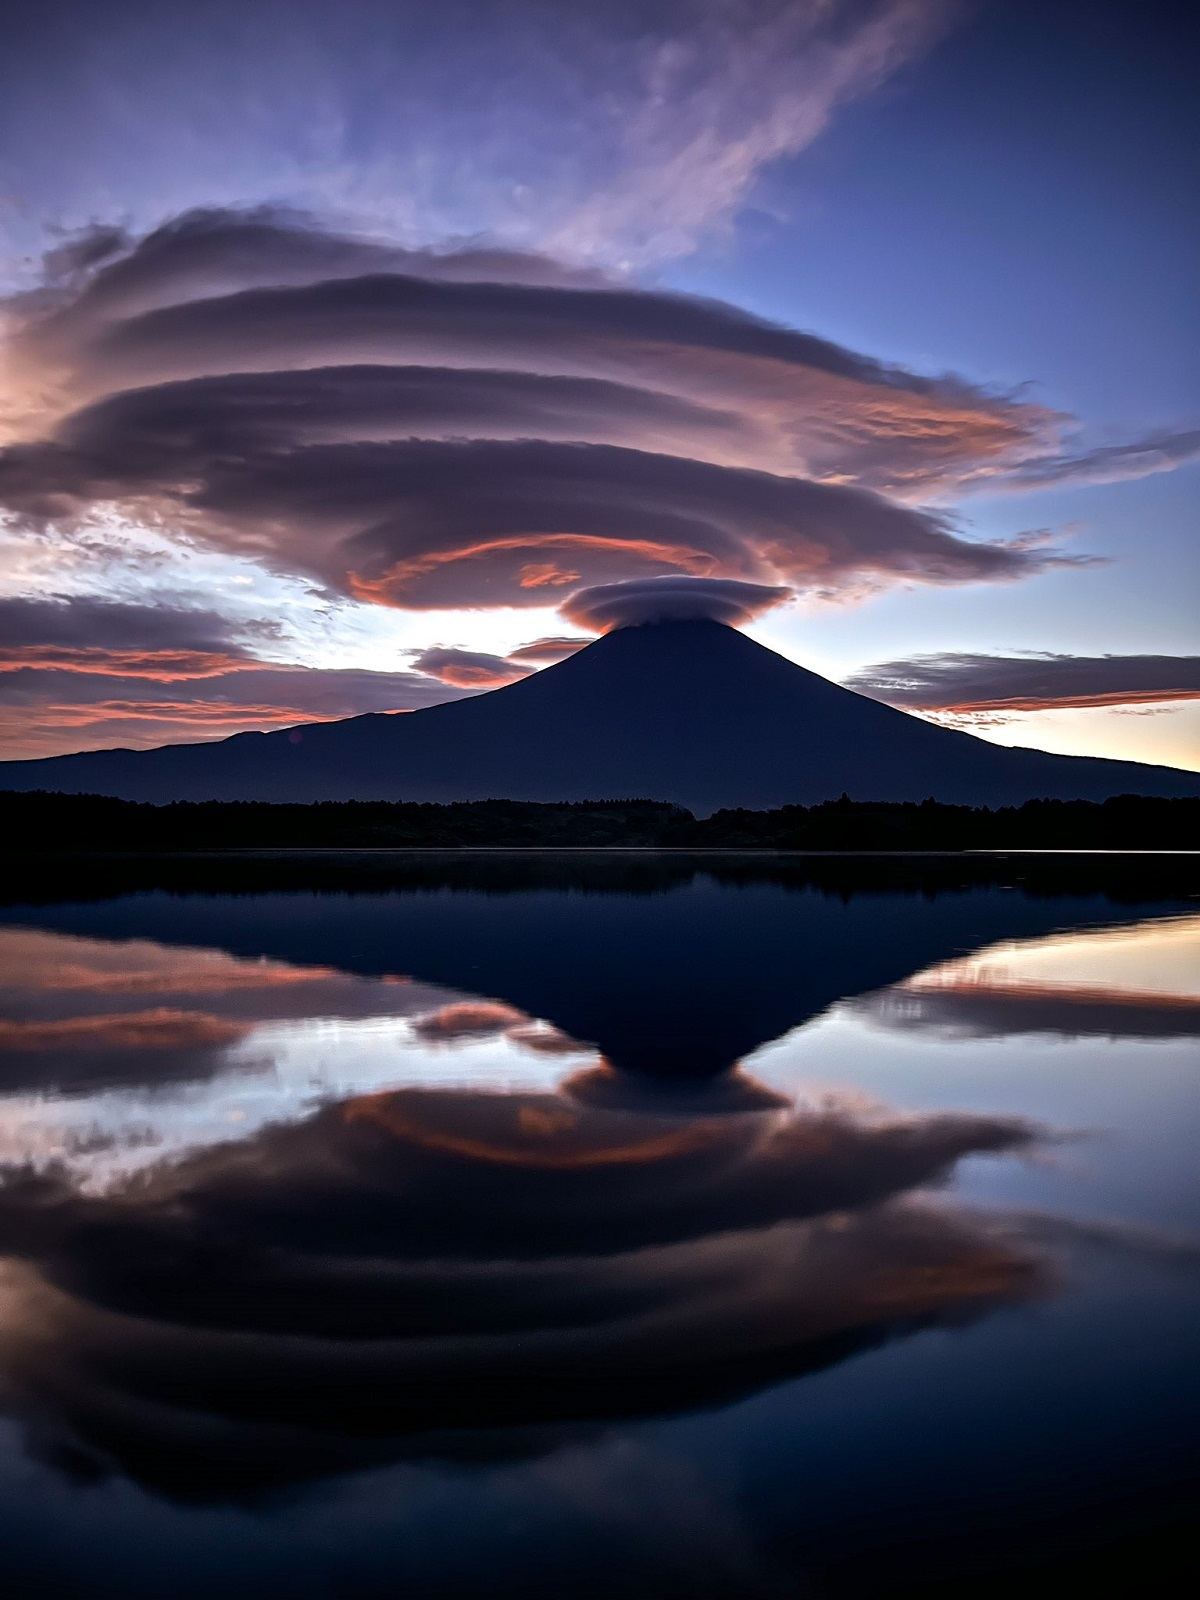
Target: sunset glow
[415, 400]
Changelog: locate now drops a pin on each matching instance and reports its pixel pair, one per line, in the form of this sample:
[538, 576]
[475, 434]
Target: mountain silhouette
[691, 712]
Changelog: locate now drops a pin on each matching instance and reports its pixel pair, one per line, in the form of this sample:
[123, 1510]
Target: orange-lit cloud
[960, 683]
[87, 673]
[482, 1019]
[536, 1133]
[471, 428]
[476, 669]
[546, 575]
[1076, 701]
[221, 715]
[161, 666]
[545, 652]
[437, 577]
[74, 1053]
[469, 669]
[440, 430]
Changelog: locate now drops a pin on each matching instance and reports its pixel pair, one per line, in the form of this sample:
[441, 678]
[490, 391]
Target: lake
[654, 1225]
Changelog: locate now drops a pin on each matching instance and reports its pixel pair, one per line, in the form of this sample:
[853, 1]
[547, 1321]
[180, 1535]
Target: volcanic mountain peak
[687, 711]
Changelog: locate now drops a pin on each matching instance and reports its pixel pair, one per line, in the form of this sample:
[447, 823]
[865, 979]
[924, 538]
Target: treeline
[90, 823]
[1126, 822]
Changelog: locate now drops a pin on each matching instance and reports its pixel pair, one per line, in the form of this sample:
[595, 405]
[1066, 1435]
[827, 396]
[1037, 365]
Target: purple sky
[344, 346]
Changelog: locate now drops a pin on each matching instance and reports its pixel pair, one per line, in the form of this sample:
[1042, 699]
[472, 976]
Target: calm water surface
[651, 1226]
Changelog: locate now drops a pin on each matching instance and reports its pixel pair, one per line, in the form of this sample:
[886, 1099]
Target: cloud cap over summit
[683, 599]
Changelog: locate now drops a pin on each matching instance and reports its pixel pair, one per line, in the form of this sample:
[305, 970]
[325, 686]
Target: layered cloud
[91, 673]
[966, 683]
[117, 639]
[466, 428]
[497, 420]
[481, 428]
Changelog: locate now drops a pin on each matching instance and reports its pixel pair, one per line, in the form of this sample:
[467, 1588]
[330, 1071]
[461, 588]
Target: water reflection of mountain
[469, 1273]
[682, 981]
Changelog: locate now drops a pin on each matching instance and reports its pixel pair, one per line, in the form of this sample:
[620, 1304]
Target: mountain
[692, 712]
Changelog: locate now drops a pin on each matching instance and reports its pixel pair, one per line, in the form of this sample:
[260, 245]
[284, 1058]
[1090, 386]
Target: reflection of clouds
[735, 1091]
[456, 1272]
[58, 975]
[975, 1010]
[126, 1046]
[114, 1053]
[546, 1040]
[162, 1029]
[467, 1019]
[1123, 982]
[489, 1019]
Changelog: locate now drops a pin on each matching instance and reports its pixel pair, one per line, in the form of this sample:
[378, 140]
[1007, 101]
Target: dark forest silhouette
[57, 822]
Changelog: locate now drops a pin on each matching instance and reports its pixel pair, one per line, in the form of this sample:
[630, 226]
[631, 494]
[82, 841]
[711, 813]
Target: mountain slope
[692, 712]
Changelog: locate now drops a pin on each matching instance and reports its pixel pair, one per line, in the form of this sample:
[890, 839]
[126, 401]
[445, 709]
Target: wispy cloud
[620, 134]
[1162, 451]
[702, 107]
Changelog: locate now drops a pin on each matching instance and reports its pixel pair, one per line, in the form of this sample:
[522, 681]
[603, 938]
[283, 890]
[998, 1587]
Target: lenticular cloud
[480, 427]
[643, 600]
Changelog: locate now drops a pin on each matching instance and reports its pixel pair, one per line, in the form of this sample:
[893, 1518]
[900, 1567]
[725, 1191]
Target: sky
[348, 352]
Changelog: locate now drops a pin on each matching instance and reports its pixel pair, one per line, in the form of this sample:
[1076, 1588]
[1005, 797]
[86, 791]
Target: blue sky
[1003, 192]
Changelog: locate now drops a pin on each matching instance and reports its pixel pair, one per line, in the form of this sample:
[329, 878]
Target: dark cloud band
[98, 673]
[969, 683]
[618, 605]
